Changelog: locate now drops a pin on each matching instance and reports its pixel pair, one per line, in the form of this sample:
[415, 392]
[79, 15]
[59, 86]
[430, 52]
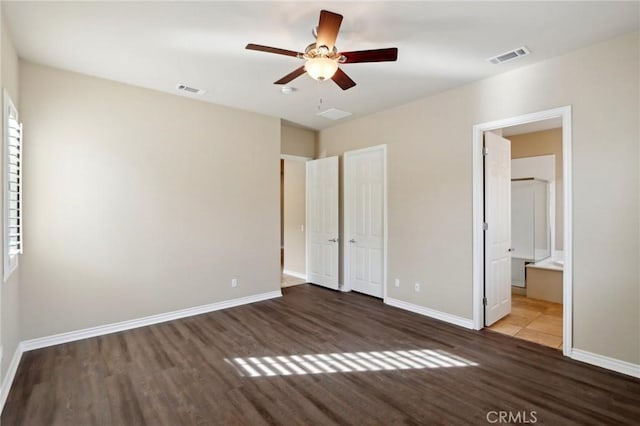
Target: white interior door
[364, 211]
[497, 239]
[322, 222]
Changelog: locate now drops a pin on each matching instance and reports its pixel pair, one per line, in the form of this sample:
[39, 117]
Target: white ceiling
[441, 45]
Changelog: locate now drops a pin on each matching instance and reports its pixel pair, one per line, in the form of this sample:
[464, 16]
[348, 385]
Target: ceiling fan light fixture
[322, 57]
[321, 68]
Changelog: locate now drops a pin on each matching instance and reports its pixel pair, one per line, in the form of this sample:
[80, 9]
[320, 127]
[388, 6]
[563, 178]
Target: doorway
[293, 220]
[531, 286]
[492, 282]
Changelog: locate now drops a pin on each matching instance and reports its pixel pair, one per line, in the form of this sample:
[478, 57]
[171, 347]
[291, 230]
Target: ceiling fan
[322, 58]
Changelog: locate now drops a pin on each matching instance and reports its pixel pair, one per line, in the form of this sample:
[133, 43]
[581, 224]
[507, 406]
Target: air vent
[189, 89]
[334, 114]
[287, 90]
[510, 55]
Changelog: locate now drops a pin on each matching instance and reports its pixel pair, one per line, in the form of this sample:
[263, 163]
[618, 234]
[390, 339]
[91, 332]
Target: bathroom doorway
[536, 233]
[522, 227]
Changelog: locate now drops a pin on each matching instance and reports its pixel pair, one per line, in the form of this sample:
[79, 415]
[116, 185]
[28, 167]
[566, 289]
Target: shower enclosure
[530, 227]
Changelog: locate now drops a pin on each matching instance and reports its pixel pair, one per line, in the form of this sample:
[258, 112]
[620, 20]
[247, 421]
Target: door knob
[511, 249]
[333, 240]
[352, 240]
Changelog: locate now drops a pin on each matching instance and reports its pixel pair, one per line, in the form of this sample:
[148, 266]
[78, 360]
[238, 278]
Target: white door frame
[478, 203]
[347, 210]
[295, 157]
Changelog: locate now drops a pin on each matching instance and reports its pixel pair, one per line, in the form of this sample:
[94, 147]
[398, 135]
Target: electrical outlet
[397, 283]
[416, 287]
[234, 282]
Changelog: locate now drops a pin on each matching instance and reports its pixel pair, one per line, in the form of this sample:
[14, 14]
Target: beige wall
[9, 294]
[545, 142]
[140, 202]
[430, 185]
[294, 216]
[297, 141]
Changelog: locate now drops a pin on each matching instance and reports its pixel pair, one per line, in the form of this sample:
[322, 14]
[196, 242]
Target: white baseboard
[10, 375]
[295, 274]
[72, 336]
[609, 363]
[432, 313]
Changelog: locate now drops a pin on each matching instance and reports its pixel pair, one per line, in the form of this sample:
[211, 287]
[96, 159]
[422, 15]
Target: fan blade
[269, 49]
[343, 80]
[291, 76]
[375, 55]
[328, 28]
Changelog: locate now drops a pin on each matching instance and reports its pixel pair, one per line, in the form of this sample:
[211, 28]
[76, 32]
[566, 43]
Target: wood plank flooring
[190, 372]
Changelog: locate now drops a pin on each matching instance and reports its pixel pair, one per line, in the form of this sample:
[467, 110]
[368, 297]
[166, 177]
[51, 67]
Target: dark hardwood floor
[389, 367]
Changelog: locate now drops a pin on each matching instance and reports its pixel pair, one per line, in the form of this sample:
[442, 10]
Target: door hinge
[485, 150]
[484, 301]
[485, 226]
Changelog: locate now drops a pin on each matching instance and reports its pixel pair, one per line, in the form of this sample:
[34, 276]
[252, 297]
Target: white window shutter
[14, 187]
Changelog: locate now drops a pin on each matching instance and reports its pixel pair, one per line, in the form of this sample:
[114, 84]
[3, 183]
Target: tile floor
[535, 320]
[288, 281]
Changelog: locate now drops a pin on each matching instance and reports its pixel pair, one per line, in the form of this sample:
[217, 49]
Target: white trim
[567, 196]
[478, 202]
[295, 157]
[385, 211]
[101, 330]
[7, 381]
[307, 272]
[431, 313]
[609, 363]
[300, 275]
[346, 190]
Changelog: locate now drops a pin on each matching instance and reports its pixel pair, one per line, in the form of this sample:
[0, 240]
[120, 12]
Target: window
[12, 187]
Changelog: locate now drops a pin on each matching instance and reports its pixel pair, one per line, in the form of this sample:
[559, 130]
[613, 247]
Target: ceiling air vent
[334, 114]
[508, 56]
[189, 89]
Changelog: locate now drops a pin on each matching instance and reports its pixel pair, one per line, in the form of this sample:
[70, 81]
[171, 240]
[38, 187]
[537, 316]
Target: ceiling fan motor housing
[314, 51]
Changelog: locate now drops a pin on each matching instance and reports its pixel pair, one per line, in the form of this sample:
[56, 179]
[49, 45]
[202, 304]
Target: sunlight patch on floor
[347, 362]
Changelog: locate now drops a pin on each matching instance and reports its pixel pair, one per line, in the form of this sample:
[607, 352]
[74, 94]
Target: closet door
[365, 218]
[322, 222]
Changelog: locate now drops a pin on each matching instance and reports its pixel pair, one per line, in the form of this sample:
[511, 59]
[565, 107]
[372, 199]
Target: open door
[497, 236]
[322, 222]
